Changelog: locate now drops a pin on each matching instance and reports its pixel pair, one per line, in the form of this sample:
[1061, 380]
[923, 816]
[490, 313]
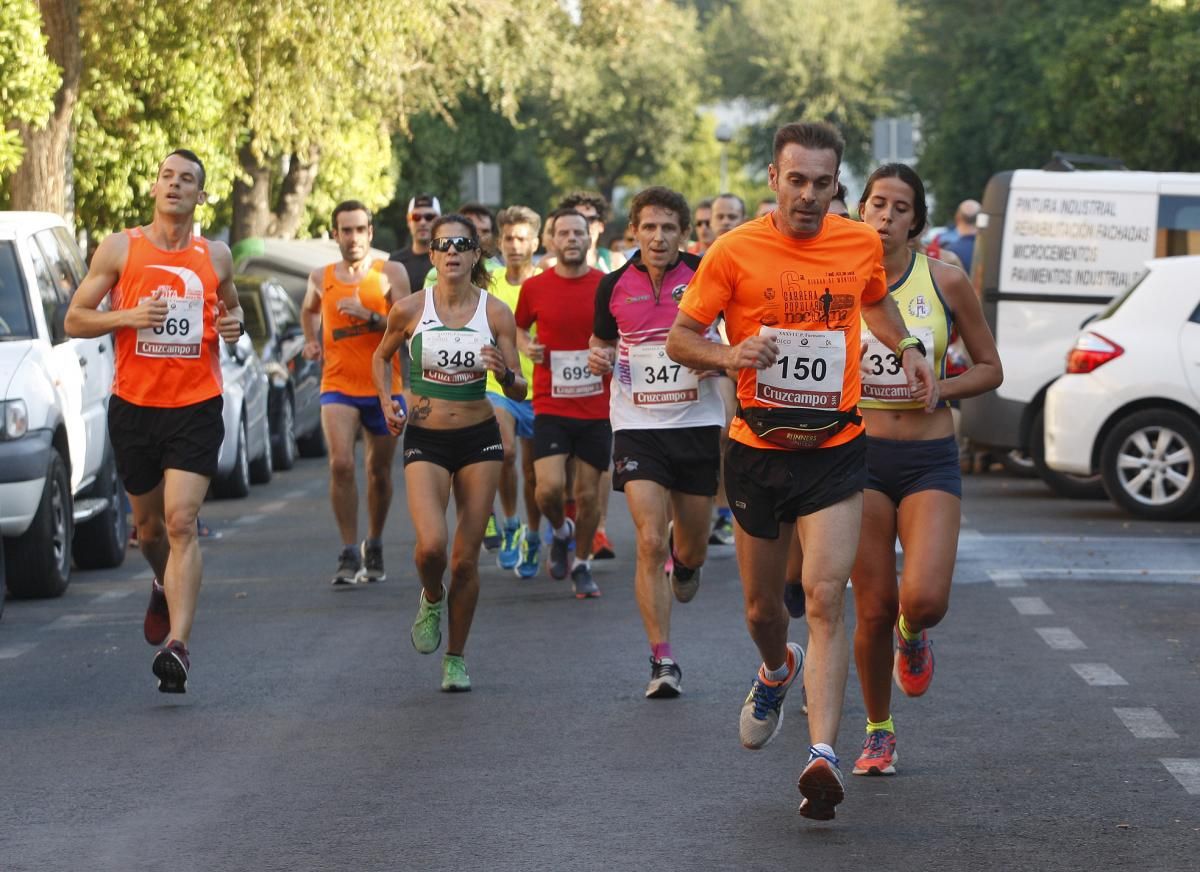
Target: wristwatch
[909, 342]
[374, 319]
[508, 378]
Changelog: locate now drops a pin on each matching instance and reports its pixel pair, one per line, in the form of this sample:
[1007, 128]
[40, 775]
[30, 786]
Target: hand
[228, 326]
[312, 349]
[493, 360]
[754, 352]
[355, 309]
[393, 413]
[536, 352]
[921, 382]
[600, 359]
[151, 311]
[864, 366]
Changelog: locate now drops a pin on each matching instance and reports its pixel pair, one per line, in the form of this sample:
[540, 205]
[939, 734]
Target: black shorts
[685, 459]
[767, 487]
[897, 467]
[454, 449]
[589, 440]
[148, 439]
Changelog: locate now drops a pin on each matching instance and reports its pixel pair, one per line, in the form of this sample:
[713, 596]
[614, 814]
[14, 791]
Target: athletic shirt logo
[918, 307]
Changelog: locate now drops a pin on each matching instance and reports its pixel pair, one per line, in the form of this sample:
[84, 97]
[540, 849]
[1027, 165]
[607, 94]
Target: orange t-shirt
[349, 342]
[761, 278]
[178, 363]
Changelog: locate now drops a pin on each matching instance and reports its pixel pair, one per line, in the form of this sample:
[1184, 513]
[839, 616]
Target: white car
[245, 456]
[59, 492]
[1129, 406]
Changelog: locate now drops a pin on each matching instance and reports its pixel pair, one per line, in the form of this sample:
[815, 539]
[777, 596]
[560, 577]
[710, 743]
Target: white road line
[1060, 638]
[1084, 573]
[1030, 605]
[1186, 772]
[973, 535]
[1145, 723]
[1006, 578]
[110, 596]
[1106, 540]
[1099, 675]
[144, 574]
[273, 506]
[295, 494]
[68, 622]
[249, 519]
[8, 652]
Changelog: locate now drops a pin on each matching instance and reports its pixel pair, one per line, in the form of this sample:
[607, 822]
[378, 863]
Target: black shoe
[348, 567]
[372, 563]
[665, 676]
[171, 665]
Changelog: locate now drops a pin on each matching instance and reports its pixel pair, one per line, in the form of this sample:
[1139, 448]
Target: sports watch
[909, 342]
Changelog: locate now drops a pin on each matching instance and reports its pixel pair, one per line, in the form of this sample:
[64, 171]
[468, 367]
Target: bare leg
[876, 603]
[929, 523]
[692, 514]
[428, 488]
[508, 472]
[182, 495]
[587, 507]
[551, 474]
[380, 452]
[648, 505]
[149, 517]
[341, 424]
[761, 564]
[474, 493]
[532, 512]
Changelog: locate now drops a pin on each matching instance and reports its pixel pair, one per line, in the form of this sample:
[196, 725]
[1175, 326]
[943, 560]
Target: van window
[48, 287]
[16, 321]
[69, 250]
[1178, 226]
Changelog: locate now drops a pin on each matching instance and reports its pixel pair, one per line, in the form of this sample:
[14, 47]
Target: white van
[1053, 249]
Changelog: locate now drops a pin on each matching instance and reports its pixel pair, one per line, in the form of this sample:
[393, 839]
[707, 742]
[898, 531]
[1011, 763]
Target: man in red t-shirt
[570, 405]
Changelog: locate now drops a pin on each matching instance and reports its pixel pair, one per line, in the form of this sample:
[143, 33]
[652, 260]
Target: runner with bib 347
[793, 285]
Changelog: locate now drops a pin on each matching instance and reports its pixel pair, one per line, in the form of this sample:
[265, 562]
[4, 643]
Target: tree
[30, 79]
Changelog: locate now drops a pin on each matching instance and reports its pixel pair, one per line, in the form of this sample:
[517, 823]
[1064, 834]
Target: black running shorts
[767, 487]
[454, 449]
[590, 440]
[685, 459]
[147, 439]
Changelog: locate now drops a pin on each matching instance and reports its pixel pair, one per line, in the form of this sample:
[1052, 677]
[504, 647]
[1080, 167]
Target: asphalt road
[1060, 732]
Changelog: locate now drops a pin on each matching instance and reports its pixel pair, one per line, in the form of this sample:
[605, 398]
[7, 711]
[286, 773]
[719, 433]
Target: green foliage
[28, 78]
[356, 165]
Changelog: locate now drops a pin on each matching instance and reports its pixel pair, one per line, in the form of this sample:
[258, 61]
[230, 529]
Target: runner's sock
[563, 532]
[778, 676]
[661, 651]
[682, 572]
[587, 564]
[905, 632]
[374, 543]
[820, 748]
[873, 727]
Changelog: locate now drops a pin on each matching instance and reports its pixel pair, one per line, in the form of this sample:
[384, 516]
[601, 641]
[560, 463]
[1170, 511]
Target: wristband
[374, 319]
[909, 342]
[509, 378]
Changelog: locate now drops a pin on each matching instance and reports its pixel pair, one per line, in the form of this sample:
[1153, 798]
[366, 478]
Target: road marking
[111, 595]
[1060, 638]
[273, 506]
[249, 519]
[1145, 723]
[297, 494]
[1186, 772]
[1099, 674]
[68, 622]
[1106, 540]
[8, 652]
[1006, 578]
[973, 535]
[1030, 605]
[144, 574]
[1084, 573]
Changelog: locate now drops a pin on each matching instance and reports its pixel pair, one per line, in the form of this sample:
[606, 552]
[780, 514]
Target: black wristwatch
[374, 319]
[509, 377]
[909, 342]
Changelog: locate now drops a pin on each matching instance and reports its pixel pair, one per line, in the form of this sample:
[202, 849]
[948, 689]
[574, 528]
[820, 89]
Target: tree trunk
[40, 183]
[293, 194]
[251, 199]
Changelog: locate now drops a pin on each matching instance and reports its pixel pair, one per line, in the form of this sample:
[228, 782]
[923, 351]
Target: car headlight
[15, 419]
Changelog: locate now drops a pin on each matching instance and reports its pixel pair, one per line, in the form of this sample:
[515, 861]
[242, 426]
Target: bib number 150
[804, 368]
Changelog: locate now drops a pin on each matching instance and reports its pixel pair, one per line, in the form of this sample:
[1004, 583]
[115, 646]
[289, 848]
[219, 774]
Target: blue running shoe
[510, 547]
[531, 553]
[762, 712]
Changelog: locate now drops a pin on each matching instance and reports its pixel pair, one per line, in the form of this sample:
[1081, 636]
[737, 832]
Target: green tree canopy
[28, 78]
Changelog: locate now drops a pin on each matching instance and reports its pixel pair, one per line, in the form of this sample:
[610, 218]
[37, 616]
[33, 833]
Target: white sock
[776, 674]
[578, 562]
[564, 532]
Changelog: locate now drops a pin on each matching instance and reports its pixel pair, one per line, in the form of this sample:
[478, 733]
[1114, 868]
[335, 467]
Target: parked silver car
[246, 451]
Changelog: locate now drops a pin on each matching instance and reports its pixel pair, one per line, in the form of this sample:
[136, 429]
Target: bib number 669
[173, 327]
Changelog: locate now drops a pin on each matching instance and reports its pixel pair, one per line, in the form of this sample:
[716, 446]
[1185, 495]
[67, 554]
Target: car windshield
[1120, 299]
[250, 296]
[15, 320]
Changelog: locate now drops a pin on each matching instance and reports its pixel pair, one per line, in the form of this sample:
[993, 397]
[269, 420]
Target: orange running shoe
[878, 755]
[913, 669]
[602, 548]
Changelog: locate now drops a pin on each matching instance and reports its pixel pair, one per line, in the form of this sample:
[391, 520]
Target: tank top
[349, 342]
[177, 363]
[446, 363]
[928, 318]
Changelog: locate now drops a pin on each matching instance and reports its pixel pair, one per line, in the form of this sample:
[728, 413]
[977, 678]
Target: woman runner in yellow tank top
[914, 485]
[457, 334]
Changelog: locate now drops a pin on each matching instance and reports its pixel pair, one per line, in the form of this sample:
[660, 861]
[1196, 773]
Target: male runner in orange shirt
[792, 285]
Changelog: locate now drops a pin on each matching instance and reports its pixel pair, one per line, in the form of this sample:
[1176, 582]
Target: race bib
[453, 357]
[809, 372]
[181, 335]
[570, 376]
[883, 376]
[659, 381]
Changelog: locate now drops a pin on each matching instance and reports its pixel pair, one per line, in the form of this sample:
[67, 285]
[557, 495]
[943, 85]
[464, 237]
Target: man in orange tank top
[172, 298]
[792, 285]
[344, 315]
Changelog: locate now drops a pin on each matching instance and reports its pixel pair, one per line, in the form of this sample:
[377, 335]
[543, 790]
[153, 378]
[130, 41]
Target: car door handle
[83, 362]
[103, 347]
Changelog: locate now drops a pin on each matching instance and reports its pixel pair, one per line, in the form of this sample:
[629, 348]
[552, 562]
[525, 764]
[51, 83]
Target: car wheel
[38, 561]
[262, 467]
[1151, 464]
[1073, 487]
[284, 441]
[101, 542]
[237, 483]
[312, 444]
[1018, 464]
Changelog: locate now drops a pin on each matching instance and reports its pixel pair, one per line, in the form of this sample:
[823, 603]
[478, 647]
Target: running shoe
[913, 669]
[510, 547]
[531, 553]
[157, 623]
[793, 598]
[426, 632]
[491, 536]
[665, 676]
[348, 567]
[372, 563]
[602, 548]
[171, 665]
[454, 674]
[822, 786]
[560, 553]
[684, 584]
[878, 755]
[722, 531]
[581, 580]
[762, 712]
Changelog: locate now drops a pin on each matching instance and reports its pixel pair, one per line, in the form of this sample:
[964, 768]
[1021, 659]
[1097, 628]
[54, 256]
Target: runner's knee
[824, 601]
[430, 558]
[652, 546]
[181, 523]
[925, 610]
[876, 611]
[765, 611]
[341, 466]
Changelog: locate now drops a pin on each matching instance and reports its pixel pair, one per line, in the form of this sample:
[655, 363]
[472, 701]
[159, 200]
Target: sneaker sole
[822, 793]
[456, 688]
[664, 690]
[172, 677]
[365, 577]
[593, 595]
[875, 770]
[526, 573]
[684, 594]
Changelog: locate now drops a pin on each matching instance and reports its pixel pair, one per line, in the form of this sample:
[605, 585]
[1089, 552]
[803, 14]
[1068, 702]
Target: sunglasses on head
[422, 216]
[458, 243]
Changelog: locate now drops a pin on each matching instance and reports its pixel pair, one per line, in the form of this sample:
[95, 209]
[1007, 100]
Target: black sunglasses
[459, 243]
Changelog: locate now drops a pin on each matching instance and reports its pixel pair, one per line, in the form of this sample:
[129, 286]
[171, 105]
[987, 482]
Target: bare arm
[230, 316]
[687, 344]
[381, 363]
[84, 321]
[310, 316]
[986, 372]
[503, 358]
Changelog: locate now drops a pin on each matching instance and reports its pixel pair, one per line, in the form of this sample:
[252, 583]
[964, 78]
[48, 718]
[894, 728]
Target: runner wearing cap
[423, 210]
